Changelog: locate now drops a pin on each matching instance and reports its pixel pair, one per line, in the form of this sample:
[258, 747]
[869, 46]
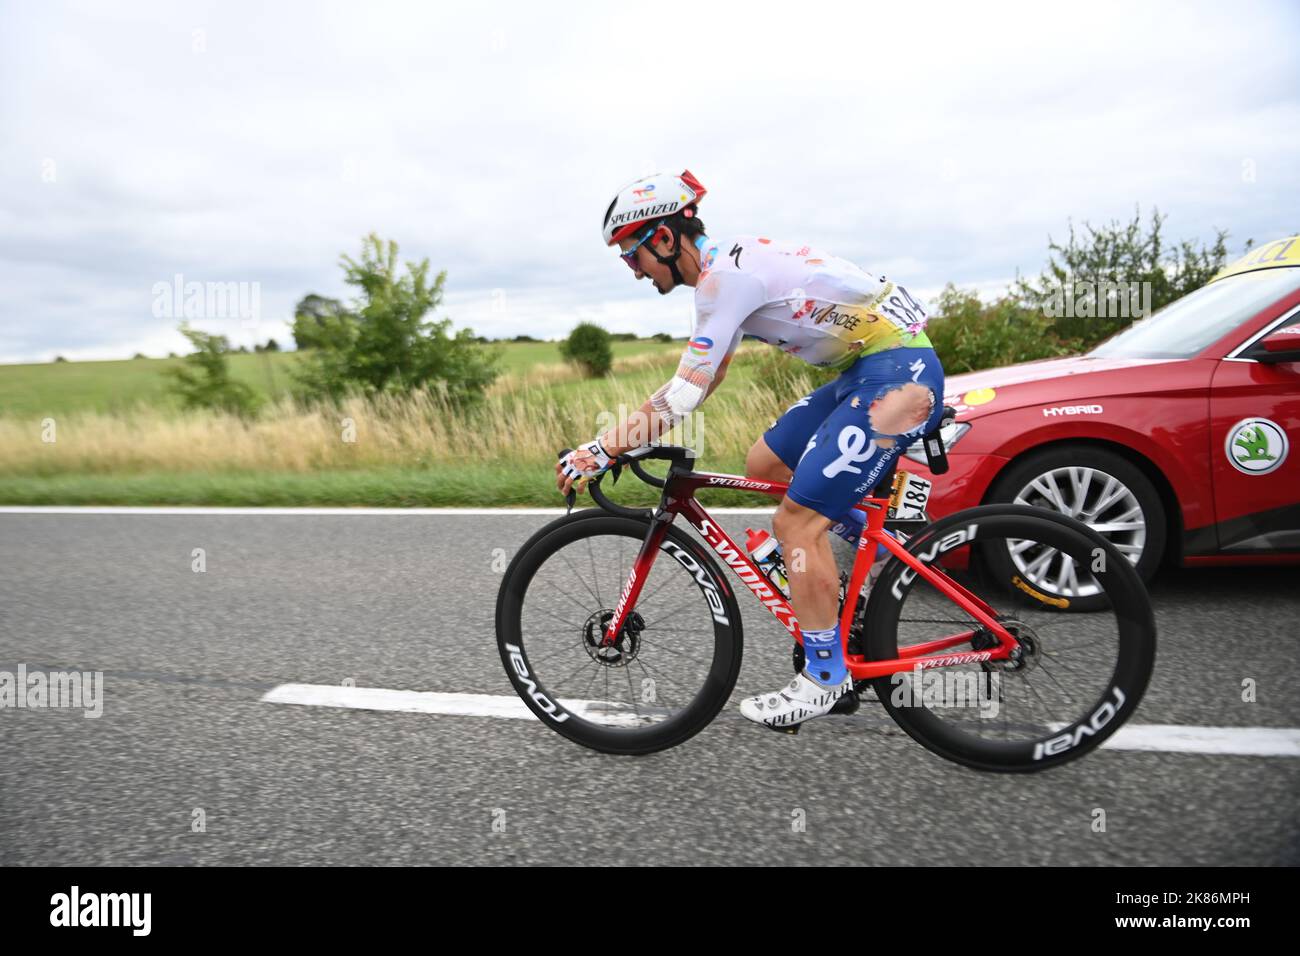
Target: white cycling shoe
[800, 700]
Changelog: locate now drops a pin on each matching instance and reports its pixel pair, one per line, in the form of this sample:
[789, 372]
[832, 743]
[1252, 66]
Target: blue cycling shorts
[827, 440]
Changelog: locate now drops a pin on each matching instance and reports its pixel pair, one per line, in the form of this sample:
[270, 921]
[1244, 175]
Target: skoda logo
[1256, 446]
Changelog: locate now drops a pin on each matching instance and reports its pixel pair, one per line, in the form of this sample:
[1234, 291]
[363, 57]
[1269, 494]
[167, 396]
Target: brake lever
[572, 495]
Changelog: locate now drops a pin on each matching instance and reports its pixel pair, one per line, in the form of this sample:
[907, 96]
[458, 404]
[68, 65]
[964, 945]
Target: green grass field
[475, 485]
[57, 388]
[122, 440]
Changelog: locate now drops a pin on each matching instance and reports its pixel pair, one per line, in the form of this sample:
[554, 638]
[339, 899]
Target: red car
[1172, 438]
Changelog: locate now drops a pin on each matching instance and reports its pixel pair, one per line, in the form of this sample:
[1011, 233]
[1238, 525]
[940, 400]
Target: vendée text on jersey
[845, 320]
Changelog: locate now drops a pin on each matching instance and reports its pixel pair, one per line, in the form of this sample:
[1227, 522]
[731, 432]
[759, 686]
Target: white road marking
[1238, 741]
[1163, 738]
[456, 705]
[306, 512]
[407, 701]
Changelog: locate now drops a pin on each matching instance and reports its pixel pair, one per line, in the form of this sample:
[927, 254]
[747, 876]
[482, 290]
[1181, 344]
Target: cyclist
[833, 445]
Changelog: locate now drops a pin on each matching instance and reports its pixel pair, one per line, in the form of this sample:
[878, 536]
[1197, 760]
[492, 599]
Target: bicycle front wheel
[665, 677]
[1074, 678]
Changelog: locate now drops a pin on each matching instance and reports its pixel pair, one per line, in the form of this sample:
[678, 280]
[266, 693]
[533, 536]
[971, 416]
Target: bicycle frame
[679, 498]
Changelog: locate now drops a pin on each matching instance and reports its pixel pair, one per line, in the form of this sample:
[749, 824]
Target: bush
[1117, 256]
[315, 320]
[969, 335]
[588, 345]
[59, 358]
[203, 380]
[623, 336]
[384, 344]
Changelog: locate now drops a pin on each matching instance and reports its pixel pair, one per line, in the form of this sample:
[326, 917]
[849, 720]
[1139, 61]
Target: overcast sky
[255, 142]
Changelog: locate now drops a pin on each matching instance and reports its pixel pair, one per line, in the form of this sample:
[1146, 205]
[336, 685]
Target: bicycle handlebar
[631, 459]
[935, 454]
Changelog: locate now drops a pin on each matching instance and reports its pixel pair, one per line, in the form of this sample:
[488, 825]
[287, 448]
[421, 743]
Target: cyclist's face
[646, 265]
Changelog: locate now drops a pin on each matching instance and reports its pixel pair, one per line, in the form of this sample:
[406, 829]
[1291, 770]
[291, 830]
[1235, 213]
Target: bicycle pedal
[847, 704]
[792, 729]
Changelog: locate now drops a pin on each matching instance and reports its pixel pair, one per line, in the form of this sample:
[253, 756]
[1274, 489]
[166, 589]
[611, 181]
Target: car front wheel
[1096, 486]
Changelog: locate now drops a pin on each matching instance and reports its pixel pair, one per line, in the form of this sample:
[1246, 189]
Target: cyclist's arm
[647, 422]
[726, 362]
[722, 305]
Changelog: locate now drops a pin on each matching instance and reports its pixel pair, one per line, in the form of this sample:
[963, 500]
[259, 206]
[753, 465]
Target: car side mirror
[1280, 345]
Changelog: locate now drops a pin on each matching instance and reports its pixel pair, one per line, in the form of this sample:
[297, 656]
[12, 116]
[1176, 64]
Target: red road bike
[621, 632]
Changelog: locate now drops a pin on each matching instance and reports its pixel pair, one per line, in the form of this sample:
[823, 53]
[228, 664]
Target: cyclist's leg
[874, 421]
[886, 405]
[895, 408]
[839, 465]
[825, 680]
[774, 455]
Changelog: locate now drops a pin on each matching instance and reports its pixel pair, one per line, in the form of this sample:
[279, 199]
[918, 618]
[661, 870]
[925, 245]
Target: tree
[1101, 280]
[969, 335]
[314, 319]
[384, 344]
[59, 358]
[203, 379]
[588, 345]
[662, 337]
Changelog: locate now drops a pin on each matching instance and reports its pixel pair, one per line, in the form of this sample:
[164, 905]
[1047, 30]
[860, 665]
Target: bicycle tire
[512, 643]
[1126, 685]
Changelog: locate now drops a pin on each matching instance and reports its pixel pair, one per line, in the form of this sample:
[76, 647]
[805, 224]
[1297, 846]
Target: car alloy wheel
[1092, 496]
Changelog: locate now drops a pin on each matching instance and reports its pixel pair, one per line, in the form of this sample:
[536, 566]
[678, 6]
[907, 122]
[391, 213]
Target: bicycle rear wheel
[1076, 677]
[663, 680]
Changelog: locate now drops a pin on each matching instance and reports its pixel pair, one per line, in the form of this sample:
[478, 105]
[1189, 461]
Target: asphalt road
[407, 602]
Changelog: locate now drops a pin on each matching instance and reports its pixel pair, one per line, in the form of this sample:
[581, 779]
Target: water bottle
[765, 551]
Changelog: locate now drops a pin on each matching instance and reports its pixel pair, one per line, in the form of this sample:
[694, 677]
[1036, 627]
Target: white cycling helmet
[642, 202]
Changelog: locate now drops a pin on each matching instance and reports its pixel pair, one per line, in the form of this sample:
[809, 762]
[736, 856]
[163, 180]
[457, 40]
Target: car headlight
[950, 435]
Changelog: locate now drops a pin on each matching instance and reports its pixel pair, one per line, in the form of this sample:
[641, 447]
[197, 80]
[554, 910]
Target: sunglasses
[630, 256]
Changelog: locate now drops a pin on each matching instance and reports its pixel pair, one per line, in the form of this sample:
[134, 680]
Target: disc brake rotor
[623, 650]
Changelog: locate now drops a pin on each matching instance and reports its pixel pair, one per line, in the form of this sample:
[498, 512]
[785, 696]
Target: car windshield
[1184, 327]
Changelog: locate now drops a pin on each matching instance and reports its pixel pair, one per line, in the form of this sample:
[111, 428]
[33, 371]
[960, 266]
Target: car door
[1254, 464]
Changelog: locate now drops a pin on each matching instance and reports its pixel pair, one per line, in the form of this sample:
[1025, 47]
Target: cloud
[256, 142]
